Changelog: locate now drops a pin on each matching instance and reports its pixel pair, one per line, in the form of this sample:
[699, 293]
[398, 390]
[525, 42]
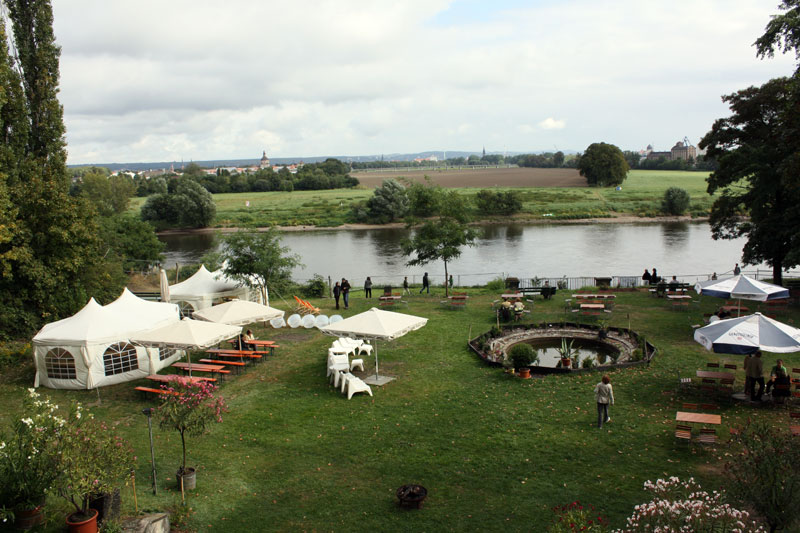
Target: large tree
[52, 249]
[441, 238]
[603, 165]
[258, 260]
[756, 149]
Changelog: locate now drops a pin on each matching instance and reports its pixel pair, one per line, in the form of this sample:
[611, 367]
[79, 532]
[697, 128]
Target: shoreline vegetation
[545, 200]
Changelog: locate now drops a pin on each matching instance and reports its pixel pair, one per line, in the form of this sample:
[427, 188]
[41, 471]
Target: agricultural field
[547, 195]
[495, 452]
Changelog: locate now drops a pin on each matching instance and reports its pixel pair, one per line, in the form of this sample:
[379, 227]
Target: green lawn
[640, 196]
[495, 452]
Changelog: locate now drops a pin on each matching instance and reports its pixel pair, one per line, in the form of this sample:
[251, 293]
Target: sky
[197, 80]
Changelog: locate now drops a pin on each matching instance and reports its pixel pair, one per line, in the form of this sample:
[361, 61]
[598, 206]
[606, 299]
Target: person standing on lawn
[426, 284]
[405, 286]
[368, 288]
[337, 291]
[604, 396]
[346, 293]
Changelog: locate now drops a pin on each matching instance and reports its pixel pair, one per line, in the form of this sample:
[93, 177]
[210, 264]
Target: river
[685, 249]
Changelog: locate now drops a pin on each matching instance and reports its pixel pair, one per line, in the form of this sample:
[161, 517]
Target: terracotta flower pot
[566, 362]
[80, 524]
[29, 518]
[525, 373]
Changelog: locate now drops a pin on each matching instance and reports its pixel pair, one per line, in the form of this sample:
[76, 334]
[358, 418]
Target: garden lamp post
[148, 412]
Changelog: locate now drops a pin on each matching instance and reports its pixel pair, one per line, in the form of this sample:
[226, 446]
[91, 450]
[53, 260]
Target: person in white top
[604, 395]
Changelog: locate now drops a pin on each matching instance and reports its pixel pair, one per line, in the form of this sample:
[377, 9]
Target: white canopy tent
[203, 288]
[92, 348]
[238, 313]
[375, 324]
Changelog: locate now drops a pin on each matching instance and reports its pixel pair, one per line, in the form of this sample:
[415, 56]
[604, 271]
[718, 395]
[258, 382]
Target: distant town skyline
[184, 80]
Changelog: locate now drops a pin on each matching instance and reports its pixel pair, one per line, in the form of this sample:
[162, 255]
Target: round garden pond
[565, 347]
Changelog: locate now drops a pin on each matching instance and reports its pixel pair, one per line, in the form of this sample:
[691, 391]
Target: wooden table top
[595, 296]
[715, 375]
[511, 296]
[678, 297]
[732, 308]
[198, 367]
[458, 297]
[389, 297]
[593, 306]
[259, 342]
[700, 418]
[163, 378]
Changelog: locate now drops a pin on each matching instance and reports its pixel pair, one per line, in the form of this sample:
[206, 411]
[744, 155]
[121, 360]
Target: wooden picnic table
[389, 297]
[164, 378]
[593, 306]
[732, 308]
[710, 374]
[259, 342]
[199, 367]
[595, 296]
[678, 297]
[251, 354]
[458, 297]
[699, 418]
[511, 296]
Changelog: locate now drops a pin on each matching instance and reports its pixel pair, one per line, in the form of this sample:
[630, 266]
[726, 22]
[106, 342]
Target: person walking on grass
[426, 284]
[604, 396]
[405, 286]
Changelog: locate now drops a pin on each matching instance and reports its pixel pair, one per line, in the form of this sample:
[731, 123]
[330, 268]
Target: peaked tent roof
[376, 324]
[93, 323]
[741, 287]
[146, 314]
[187, 334]
[203, 283]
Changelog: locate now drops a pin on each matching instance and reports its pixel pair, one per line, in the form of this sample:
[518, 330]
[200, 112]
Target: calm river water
[676, 248]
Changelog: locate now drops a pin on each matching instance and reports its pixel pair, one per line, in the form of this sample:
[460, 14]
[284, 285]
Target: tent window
[120, 357]
[186, 309]
[166, 353]
[59, 364]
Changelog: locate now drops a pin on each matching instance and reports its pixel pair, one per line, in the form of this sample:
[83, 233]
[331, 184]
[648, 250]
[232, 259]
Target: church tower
[264, 161]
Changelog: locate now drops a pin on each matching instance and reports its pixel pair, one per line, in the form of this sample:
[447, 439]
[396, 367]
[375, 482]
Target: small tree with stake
[189, 407]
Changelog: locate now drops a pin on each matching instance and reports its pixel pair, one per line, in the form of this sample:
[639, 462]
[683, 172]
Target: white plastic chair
[357, 363]
[346, 377]
[365, 347]
[338, 362]
[356, 385]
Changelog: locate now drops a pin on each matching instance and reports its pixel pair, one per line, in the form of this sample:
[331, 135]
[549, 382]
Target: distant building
[264, 161]
[682, 150]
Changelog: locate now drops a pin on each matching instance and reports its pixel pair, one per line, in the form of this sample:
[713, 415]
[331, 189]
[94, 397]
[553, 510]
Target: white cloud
[552, 124]
[207, 80]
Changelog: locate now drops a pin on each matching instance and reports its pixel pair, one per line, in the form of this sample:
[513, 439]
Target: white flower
[27, 421]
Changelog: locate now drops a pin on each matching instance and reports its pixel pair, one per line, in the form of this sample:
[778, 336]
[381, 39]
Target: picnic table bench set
[219, 363]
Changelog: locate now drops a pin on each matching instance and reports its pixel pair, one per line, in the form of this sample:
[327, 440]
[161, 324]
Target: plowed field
[500, 177]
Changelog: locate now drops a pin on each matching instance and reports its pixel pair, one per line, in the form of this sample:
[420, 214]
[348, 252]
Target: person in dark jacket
[346, 293]
[337, 291]
[368, 288]
[426, 284]
[646, 277]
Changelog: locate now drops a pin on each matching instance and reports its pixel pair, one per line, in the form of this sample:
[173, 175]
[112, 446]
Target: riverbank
[627, 219]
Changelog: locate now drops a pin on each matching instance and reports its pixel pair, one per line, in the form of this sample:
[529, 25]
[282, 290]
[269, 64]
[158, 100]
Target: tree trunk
[777, 272]
[446, 282]
[183, 444]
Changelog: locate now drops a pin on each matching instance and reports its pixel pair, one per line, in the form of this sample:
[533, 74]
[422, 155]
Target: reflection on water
[550, 355]
[682, 249]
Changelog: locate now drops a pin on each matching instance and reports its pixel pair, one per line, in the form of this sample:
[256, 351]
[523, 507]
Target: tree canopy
[603, 165]
[258, 260]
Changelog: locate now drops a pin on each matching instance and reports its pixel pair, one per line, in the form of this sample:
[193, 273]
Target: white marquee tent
[204, 288]
[92, 348]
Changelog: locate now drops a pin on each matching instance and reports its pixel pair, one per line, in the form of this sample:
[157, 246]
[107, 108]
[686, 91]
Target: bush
[523, 355]
[389, 202]
[676, 201]
[314, 288]
[497, 284]
[501, 203]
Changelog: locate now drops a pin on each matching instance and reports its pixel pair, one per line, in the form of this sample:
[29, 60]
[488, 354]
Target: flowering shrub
[28, 458]
[93, 460]
[189, 406]
[683, 506]
[577, 517]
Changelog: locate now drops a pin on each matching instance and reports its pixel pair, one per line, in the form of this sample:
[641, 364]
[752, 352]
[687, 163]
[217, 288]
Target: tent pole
[376, 359]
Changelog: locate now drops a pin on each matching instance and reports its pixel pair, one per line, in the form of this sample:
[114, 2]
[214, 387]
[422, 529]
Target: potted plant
[93, 460]
[523, 356]
[189, 407]
[566, 352]
[602, 331]
[29, 460]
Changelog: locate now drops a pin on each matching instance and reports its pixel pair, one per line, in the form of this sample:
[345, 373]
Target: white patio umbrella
[378, 325]
[187, 334]
[742, 288]
[238, 313]
[747, 334]
[163, 285]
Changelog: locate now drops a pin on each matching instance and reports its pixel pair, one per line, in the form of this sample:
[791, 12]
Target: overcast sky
[196, 80]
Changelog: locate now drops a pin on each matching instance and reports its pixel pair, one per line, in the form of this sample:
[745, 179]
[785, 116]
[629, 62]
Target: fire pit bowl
[412, 496]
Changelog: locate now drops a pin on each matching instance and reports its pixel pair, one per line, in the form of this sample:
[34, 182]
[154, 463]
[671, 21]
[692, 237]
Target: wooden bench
[150, 390]
[238, 365]
[794, 428]
[707, 436]
[683, 432]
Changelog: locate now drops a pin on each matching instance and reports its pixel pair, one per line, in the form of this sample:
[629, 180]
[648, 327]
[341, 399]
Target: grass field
[495, 452]
[640, 196]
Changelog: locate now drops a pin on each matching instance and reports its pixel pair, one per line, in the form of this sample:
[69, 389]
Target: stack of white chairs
[339, 367]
